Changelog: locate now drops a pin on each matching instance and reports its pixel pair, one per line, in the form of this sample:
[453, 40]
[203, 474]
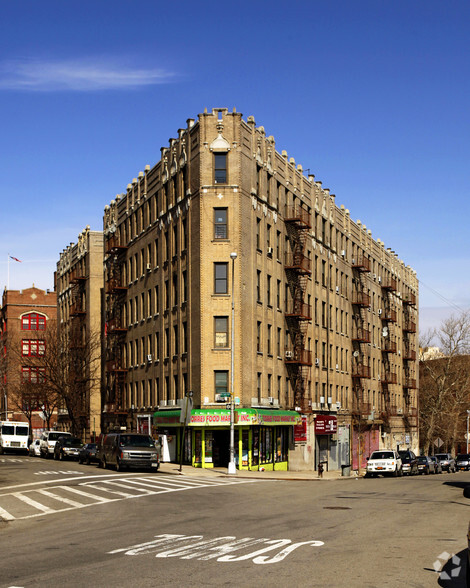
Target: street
[76, 525]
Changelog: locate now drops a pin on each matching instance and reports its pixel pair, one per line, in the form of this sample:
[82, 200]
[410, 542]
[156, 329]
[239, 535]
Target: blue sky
[371, 96]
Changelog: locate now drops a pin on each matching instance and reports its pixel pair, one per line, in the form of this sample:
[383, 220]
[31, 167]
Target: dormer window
[220, 168]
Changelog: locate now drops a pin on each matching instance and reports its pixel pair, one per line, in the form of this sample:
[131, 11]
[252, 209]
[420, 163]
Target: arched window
[33, 322]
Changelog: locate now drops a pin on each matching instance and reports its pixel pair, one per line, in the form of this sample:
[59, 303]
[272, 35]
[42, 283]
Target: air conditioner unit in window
[379, 312]
[322, 400]
[343, 253]
[330, 400]
[270, 251]
[337, 288]
[271, 399]
[149, 357]
[149, 267]
[400, 410]
[317, 361]
[379, 279]
[288, 354]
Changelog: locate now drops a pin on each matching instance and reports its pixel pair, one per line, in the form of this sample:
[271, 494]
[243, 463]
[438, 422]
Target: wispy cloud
[77, 75]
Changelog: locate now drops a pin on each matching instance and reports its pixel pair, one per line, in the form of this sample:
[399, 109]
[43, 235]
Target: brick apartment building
[79, 285]
[26, 317]
[325, 329]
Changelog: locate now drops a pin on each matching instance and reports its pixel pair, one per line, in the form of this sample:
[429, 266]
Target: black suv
[409, 462]
[67, 447]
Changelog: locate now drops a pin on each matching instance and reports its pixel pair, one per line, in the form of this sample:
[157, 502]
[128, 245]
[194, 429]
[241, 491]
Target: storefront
[326, 439]
[262, 437]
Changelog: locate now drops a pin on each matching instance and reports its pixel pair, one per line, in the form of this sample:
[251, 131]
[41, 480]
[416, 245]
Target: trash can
[346, 469]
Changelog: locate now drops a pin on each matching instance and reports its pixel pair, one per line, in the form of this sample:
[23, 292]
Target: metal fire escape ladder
[360, 368]
[298, 358]
[115, 329]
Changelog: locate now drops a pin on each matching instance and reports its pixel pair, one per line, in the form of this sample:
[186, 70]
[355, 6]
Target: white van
[14, 436]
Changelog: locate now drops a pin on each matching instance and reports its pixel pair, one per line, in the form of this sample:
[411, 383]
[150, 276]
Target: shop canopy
[216, 417]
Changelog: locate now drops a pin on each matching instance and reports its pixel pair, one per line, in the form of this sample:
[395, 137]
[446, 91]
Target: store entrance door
[221, 448]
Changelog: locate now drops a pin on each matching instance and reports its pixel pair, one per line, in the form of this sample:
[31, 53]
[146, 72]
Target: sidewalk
[174, 469]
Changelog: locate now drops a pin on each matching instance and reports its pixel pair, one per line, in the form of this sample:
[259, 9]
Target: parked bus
[14, 436]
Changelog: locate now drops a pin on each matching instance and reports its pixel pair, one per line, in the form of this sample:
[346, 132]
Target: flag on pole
[15, 258]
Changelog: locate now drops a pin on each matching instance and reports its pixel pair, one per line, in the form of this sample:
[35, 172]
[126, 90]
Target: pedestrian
[320, 470]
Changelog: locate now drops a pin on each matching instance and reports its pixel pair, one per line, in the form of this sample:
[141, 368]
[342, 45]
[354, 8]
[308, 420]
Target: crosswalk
[60, 497]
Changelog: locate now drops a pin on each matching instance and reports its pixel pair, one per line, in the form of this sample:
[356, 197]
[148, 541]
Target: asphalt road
[75, 525]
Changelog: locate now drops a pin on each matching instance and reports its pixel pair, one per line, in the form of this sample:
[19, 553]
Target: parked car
[425, 465]
[437, 464]
[88, 454]
[409, 461]
[35, 448]
[447, 462]
[67, 447]
[125, 450]
[462, 461]
[48, 441]
[384, 462]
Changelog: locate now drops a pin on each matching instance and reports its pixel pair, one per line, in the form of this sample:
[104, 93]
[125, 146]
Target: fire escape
[388, 378]
[409, 357]
[297, 266]
[77, 343]
[360, 368]
[115, 329]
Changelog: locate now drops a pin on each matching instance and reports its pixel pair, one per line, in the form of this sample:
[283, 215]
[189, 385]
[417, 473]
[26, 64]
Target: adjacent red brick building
[25, 316]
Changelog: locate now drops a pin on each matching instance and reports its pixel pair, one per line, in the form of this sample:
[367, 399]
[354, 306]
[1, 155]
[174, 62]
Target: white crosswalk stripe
[59, 498]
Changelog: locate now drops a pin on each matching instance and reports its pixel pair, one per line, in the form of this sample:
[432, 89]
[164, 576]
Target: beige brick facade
[325, 316]
[79, 286]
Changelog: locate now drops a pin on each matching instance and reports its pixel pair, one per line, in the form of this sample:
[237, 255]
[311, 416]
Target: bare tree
[72, 366]
[25, 381]
[445, 383]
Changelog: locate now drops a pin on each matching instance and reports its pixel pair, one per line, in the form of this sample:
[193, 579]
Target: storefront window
[245, 436]
[266, 445]
[282, 444]
[198, 446]
[255, 455]
[208, 443]
[187, 447]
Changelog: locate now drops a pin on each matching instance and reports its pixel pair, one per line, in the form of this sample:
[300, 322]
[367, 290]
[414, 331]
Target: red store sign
[325, 425]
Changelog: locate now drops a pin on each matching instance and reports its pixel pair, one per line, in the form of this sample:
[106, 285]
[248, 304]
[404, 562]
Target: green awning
[216, 417]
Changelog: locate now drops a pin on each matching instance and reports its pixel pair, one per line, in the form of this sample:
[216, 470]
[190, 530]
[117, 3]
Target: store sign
[300, 431]
[325, 425]
[221, 417]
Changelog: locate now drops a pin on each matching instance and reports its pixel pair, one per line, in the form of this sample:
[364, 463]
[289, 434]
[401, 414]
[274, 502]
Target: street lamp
[468, 415]
[232, 470]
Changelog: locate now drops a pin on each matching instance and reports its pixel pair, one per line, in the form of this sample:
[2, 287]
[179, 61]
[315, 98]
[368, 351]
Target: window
[221, 383]
[220, 168]
[221, 331]
[33, 322]
[258, 234]
[220, 278]
[33, 347]
[258, 337]
[220, 223]
[34, 375]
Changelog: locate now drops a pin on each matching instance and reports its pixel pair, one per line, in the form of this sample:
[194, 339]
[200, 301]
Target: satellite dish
[356, 353]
